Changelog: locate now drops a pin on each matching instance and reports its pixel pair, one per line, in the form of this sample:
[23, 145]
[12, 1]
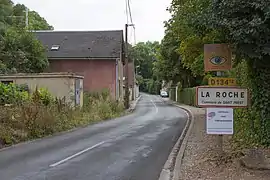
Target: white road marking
[155, 106]
[77, 154]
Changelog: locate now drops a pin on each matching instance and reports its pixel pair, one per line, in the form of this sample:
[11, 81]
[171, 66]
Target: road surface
[134, 147]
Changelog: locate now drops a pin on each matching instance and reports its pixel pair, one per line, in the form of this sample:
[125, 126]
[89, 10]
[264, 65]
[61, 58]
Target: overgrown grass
[37, 117]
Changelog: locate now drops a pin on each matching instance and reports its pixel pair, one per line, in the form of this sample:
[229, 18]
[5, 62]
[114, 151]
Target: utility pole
[26, 17]
[126, 68]
[126, 99]
[135, 81]
[220, 136]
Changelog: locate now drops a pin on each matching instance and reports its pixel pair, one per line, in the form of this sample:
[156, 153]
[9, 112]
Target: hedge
[251, 129]
[187, 96]
[172, 94]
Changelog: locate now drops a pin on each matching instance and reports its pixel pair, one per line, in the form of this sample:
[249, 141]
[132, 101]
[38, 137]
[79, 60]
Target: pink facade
[98, 74]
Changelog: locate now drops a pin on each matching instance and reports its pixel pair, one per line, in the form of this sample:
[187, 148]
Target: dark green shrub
[172, 94]
[12, 94]
[187, 96]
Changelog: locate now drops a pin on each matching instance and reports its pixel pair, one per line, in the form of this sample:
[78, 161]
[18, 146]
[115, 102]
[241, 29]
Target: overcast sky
[148, 15]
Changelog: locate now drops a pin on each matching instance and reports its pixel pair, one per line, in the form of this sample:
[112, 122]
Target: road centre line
[154, 105]
[77, 154]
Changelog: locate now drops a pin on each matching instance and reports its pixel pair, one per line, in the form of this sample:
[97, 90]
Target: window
[55, 47]
[7, 82]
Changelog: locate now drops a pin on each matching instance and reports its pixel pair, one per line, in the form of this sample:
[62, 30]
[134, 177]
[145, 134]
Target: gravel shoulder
[199, 163]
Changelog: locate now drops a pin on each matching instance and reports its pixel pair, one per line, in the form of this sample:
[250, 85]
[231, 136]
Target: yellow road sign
[219, 81]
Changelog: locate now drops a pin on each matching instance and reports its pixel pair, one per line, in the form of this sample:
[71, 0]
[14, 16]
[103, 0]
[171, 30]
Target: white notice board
[219, 120]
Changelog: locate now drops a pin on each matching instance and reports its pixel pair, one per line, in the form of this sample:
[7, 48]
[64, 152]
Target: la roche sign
[222, 97]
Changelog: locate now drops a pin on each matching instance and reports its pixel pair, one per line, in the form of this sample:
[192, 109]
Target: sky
[148, 15]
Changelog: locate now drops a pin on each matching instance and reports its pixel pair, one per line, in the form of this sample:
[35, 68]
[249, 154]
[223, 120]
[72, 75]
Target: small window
[6, 82]
[55, 47]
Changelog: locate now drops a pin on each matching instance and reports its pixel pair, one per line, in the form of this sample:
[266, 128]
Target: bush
[41, 114]
[249, 129]
[172, 94]
[187, 96]
[12, 94]
[150, 86]
[101, 105]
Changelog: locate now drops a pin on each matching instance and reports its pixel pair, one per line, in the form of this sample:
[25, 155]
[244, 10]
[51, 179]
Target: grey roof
[82, 44]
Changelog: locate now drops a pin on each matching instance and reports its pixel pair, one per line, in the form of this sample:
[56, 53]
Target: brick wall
[98, 74]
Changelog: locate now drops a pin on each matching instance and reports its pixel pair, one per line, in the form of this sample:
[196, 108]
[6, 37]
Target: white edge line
[77, 154]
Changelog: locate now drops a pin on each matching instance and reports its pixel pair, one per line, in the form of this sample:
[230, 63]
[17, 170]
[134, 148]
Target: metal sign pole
[220, 136]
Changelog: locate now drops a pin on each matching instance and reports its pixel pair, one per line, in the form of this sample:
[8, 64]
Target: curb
[258, 168]
[175, 158]
[131, 109]
[179, 157]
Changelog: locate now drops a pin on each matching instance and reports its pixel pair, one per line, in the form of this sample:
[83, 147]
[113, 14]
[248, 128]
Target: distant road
[134, 147]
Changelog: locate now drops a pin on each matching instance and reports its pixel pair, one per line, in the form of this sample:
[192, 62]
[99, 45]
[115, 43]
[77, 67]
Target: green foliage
[42, 115]
[187, 96]
[22, 52]
[101, 105]
[153, 87]
[172, 93]
[150, 86]
[12, 94]
[15, 16]
[43, 96]
[181, 50]
[36, 22]
[144, 56]
[245, 25]
[5, 12]
[251, 124]
[205, 79]
[250, 128]
[168, 62]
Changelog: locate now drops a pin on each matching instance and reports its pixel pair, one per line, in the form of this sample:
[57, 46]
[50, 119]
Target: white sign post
[219, 121]
[222, 97]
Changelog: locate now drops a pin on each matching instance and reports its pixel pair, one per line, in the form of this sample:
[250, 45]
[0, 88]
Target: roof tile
[82, 44]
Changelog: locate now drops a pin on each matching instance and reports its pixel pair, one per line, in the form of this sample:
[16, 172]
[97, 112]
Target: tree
[23, 53]
[20, 51]
[36, 22]
[246, 27]
[144, 55]
[5, 12]
[181, 52]
[242, 24]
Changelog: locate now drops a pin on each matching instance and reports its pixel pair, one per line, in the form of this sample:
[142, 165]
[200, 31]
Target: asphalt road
[134, 147]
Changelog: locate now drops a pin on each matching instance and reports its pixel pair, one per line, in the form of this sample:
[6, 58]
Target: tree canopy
[144, 55]
[245, 25]
[20, 51]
